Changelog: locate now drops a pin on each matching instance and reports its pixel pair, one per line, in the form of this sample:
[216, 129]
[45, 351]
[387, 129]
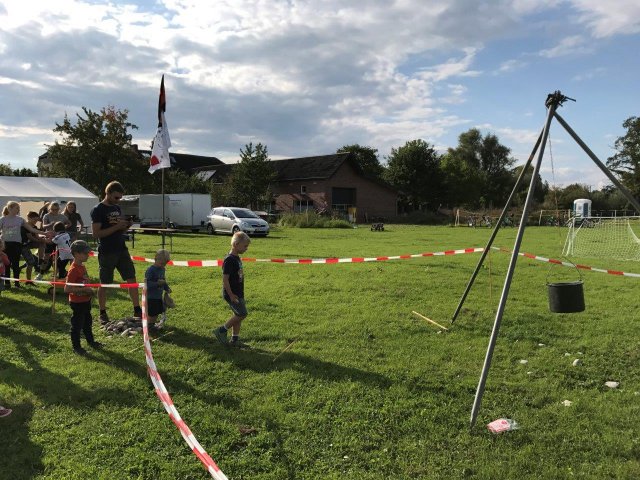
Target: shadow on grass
[20, 456]
[262, 361]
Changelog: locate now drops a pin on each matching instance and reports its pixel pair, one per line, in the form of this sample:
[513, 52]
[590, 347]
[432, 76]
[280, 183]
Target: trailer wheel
[210, 229]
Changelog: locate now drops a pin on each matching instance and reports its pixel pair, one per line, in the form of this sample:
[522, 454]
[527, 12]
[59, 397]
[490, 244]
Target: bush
[311, 220]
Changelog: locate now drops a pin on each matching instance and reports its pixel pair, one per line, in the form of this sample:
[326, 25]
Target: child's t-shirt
[151, 277]
[10, 228]
[63, 242]
[232, 266]
[78, 274]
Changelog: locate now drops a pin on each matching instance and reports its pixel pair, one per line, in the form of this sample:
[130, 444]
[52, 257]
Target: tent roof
[23, 189]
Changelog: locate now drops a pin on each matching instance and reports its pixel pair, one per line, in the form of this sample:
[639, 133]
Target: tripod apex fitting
[557, 99]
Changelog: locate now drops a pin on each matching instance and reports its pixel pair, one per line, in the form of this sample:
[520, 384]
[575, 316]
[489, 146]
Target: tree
[541, 188]
[249, 182]
[366, 158]
[97, 150]
[7, 171]
[484, 160]
[626, 162]
[414, 169]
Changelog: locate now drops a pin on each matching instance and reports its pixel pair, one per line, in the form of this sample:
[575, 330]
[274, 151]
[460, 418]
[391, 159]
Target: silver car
[232, 220]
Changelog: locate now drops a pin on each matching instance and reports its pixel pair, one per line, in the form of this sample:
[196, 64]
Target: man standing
[109, 226]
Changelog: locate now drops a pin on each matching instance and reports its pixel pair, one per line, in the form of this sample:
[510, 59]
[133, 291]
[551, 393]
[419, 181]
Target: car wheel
[210, 229]
[235, 229]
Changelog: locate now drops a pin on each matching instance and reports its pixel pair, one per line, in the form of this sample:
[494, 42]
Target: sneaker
[96, 345]
[80, 351]
[221, 336]
[239, 344]
[5, 412]
[38, 277]
[104, 318]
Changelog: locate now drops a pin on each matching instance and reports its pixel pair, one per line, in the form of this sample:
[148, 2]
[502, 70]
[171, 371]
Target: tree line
[477, 174]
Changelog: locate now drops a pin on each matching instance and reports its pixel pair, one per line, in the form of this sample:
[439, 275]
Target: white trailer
[189, 210]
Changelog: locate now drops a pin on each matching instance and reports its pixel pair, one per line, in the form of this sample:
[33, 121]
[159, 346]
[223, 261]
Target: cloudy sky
[307, 77]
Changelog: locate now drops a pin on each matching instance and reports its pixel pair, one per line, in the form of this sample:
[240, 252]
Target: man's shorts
[120, 261]
[239, 308]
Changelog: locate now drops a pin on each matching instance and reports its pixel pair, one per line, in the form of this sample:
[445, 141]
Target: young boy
[80, 298]
[233, 291]
[30, 241]
[156, 286]
[62, 241]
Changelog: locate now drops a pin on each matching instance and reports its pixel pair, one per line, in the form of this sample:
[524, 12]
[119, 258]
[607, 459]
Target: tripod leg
[495, 230]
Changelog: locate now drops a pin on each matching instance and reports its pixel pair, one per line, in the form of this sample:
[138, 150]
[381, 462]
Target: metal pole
[495, 230]
[512, 265]
[163, 219]
[629, 196]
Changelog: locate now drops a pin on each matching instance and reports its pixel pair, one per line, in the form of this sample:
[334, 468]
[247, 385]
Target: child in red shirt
[4, 263]
[80, 298]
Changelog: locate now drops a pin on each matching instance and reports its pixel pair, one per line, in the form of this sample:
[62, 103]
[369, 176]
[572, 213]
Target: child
[80, 298]
[233, 291]
[29, 241]
[62, 241]
[75, 220]
[4, 263]
[156, 286]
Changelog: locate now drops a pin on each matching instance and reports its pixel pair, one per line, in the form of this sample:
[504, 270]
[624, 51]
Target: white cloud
[611, 17]
[572, 45]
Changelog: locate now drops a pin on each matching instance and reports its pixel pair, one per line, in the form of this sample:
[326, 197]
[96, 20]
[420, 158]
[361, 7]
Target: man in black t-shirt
[109, 226]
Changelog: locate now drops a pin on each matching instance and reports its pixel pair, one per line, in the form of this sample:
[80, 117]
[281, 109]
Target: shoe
[221, 336]
[239, 344]
[38, 277]
[5, 412]
[96, 345]
[80, 351]
[104, 318]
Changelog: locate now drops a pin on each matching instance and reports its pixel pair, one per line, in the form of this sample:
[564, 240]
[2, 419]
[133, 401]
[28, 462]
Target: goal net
[604, 237]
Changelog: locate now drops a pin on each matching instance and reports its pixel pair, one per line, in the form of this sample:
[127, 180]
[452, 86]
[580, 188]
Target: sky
[305, 78]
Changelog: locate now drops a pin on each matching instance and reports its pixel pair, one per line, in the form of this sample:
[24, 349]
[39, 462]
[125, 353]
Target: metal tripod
[553, 102]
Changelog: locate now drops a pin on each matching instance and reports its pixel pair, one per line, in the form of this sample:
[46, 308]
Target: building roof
[22, 189]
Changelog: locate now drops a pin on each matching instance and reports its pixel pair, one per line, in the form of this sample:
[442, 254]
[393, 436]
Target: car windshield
[243, 213]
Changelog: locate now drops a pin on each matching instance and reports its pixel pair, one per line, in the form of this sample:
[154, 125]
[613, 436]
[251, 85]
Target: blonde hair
[240, 237]
[53, 204]
[10, 204]
[163, 255]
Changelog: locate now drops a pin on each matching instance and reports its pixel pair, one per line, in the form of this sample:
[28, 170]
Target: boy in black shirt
[233, 291]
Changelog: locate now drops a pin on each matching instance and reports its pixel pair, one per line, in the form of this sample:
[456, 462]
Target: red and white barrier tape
[218, 263]
[569, 264]
[167, 402]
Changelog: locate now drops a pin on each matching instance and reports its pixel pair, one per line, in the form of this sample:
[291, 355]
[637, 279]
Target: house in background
[182, 161]
[325, 182]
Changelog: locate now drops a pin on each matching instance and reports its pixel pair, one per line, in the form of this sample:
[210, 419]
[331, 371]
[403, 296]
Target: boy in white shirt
[62, 240]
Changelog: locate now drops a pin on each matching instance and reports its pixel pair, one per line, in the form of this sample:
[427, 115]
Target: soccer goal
[604, 237]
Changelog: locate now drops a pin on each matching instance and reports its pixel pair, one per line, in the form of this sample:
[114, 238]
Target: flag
[162, 142]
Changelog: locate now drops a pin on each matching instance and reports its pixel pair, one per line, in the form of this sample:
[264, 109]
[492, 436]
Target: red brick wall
[372, 199]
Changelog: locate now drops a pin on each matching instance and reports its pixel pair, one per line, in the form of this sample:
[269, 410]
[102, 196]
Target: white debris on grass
[524, 362]
[541, 344]
[567, 403]
[577, 362]
[612, 384]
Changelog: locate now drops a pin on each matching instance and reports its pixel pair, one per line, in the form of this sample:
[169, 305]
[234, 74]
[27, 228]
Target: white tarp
[32, 192]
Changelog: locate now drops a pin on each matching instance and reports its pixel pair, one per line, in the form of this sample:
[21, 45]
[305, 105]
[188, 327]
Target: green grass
[367, 391]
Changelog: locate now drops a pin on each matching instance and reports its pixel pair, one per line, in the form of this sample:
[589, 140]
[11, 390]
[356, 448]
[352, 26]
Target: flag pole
[163, 225]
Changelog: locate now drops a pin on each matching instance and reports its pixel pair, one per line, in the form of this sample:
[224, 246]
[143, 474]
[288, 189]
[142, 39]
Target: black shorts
[120, 261]
[155, 307]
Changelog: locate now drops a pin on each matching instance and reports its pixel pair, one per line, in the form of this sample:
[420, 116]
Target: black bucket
[566, 297]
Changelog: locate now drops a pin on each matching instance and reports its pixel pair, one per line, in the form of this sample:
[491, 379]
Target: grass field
[366, 391]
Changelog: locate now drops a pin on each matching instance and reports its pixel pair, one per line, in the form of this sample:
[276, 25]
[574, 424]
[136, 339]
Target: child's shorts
[155, 306]
[239, 308]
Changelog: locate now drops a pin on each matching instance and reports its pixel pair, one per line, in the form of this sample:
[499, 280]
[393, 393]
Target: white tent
[32, 192]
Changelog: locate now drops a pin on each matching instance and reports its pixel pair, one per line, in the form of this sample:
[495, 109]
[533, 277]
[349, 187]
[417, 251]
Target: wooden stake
[429, 320]
[55, 274]
[286, 348]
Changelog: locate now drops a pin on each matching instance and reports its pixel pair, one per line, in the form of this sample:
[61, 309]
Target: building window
[303, 189]
[300, 206]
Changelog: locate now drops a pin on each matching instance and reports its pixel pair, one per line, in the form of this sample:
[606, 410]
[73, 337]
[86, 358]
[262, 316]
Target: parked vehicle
[233, 219]
[181, 210]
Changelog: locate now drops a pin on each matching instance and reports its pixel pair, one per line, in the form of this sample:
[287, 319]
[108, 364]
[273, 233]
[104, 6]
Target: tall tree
[626, 162]
[414, 169]
[541, 188]
[486, 161]
[366, 158]
[97, 149]
[7, 170]
[249, 183]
